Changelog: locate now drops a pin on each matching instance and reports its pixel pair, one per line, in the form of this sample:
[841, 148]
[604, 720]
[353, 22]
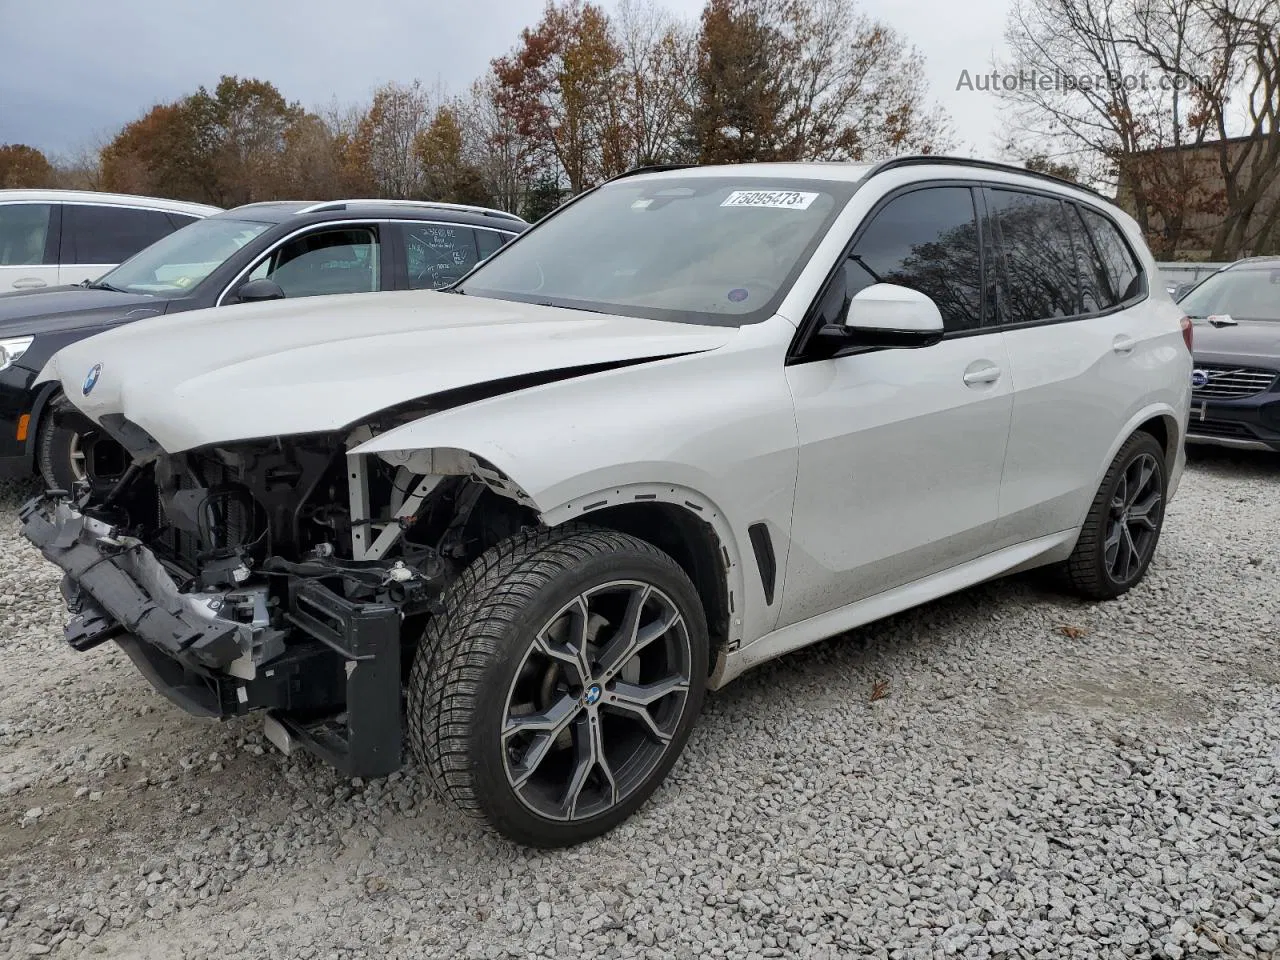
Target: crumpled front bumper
[327, 670]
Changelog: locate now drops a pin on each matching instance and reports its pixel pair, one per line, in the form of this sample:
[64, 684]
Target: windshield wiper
[565, 306]
[99, 285]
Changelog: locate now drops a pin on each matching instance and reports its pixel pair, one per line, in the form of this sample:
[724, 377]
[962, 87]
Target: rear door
[1071, 299]
[28, 245]
[96, 237]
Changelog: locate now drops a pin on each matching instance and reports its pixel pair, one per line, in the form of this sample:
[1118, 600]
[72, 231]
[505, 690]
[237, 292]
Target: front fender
[713, 433]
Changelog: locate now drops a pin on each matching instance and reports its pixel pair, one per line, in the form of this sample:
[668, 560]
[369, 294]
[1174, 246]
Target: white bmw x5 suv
[695, 419]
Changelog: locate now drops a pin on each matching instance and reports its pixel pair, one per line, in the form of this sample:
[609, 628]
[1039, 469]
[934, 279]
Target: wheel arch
[1161, 421]
[691, 529]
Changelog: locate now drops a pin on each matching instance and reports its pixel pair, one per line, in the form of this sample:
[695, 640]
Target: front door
[901, 450]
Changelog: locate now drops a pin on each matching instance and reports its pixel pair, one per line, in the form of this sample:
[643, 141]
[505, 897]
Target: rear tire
[560, 683]
[1122, 529]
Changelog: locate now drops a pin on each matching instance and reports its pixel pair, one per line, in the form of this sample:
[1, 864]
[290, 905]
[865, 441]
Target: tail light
[1188, 333]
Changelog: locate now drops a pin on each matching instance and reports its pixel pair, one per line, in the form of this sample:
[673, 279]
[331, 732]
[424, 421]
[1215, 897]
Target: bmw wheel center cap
[593, 694]
[91, 379]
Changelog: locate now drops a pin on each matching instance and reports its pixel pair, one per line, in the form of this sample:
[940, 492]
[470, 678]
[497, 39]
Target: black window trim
[797, 350]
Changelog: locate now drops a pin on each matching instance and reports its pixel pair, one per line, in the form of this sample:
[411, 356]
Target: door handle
[1123, 345]
[982, 375]
[28, 283]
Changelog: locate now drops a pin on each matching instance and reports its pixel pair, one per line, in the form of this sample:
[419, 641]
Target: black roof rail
[649, 168]
[920, 159]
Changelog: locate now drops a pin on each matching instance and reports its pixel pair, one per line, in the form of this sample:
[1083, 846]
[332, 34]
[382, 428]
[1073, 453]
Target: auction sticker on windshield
[784, 199]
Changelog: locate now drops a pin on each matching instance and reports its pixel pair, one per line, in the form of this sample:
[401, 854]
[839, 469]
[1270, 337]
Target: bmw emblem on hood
[1199, 378]
[91, 379]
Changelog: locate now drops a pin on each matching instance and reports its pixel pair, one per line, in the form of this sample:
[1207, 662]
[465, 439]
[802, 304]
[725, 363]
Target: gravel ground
[1002, 773]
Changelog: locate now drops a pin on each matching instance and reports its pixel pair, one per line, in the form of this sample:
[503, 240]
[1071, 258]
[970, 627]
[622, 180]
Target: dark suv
[260, 251]
[1235, 399]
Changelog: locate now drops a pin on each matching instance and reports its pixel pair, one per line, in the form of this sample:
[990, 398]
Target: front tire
[1123, 525]
[71, 448]
[560, 683]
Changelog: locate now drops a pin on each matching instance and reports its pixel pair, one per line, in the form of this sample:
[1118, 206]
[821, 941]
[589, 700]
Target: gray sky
[72, 71]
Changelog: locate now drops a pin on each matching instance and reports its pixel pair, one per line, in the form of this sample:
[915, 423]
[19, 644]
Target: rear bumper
[327, 670]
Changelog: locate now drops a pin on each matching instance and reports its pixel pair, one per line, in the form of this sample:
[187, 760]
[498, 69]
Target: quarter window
[439, 254]
[1040, 281]
[490, 241]
[324, 262]
[1123, 270]
[97, 234]
[926, 240]
[24, 228]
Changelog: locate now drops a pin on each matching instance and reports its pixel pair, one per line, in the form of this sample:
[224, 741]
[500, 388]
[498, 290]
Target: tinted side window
[1039, 262]
[926, 240]
[438, 255]
[1096, 292]
[324, 262]
[178, 220]
[92, 234]
[489, 241]
[1125, 274]
[24, 227]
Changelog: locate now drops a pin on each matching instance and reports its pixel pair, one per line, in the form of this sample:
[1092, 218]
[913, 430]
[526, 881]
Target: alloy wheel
[596, 700]
[1134, 521]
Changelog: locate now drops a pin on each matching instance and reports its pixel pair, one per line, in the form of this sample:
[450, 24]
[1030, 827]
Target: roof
[851, 171]
[114, 199]
[278, 211]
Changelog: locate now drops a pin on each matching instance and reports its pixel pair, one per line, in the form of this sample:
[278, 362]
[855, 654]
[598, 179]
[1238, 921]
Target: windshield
[173, 265]
[1250, 293]
[694, 249]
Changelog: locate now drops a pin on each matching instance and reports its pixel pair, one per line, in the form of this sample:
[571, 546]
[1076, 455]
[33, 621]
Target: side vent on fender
[762, 544]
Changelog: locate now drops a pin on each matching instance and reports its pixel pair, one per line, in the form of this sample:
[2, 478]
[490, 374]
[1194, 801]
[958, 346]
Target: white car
[56, 237]
[693, 420]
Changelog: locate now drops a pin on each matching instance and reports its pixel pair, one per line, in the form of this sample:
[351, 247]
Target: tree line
[1183, 126]
[582, 95]
[1188, 126]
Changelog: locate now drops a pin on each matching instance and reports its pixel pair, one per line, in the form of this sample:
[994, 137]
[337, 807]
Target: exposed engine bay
[279, 574]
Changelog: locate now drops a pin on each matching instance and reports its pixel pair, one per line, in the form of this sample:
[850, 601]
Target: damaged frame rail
[334, 689]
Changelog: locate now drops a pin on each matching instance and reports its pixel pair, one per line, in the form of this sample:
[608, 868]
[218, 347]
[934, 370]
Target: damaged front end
[283, 575]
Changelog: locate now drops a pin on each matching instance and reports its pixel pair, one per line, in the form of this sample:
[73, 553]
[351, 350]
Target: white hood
[321, 363]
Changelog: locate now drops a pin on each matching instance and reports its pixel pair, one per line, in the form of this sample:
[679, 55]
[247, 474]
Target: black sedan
[261, 251]
[1236, 380]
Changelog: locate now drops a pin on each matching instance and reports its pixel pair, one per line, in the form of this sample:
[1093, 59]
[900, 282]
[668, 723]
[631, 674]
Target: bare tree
[659, 74]
[1138, 93]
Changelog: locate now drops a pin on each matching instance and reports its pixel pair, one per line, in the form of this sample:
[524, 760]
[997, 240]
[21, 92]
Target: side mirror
[886, 315]
[1181, 290]
[257, 291]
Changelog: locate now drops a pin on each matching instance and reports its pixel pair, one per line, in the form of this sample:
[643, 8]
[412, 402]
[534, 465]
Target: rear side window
[24, 229]
[97, 234]
[926, 240]
[438, 255]
[1122, 269]
[179, 220]
[1096, 287]
[1040, 281]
